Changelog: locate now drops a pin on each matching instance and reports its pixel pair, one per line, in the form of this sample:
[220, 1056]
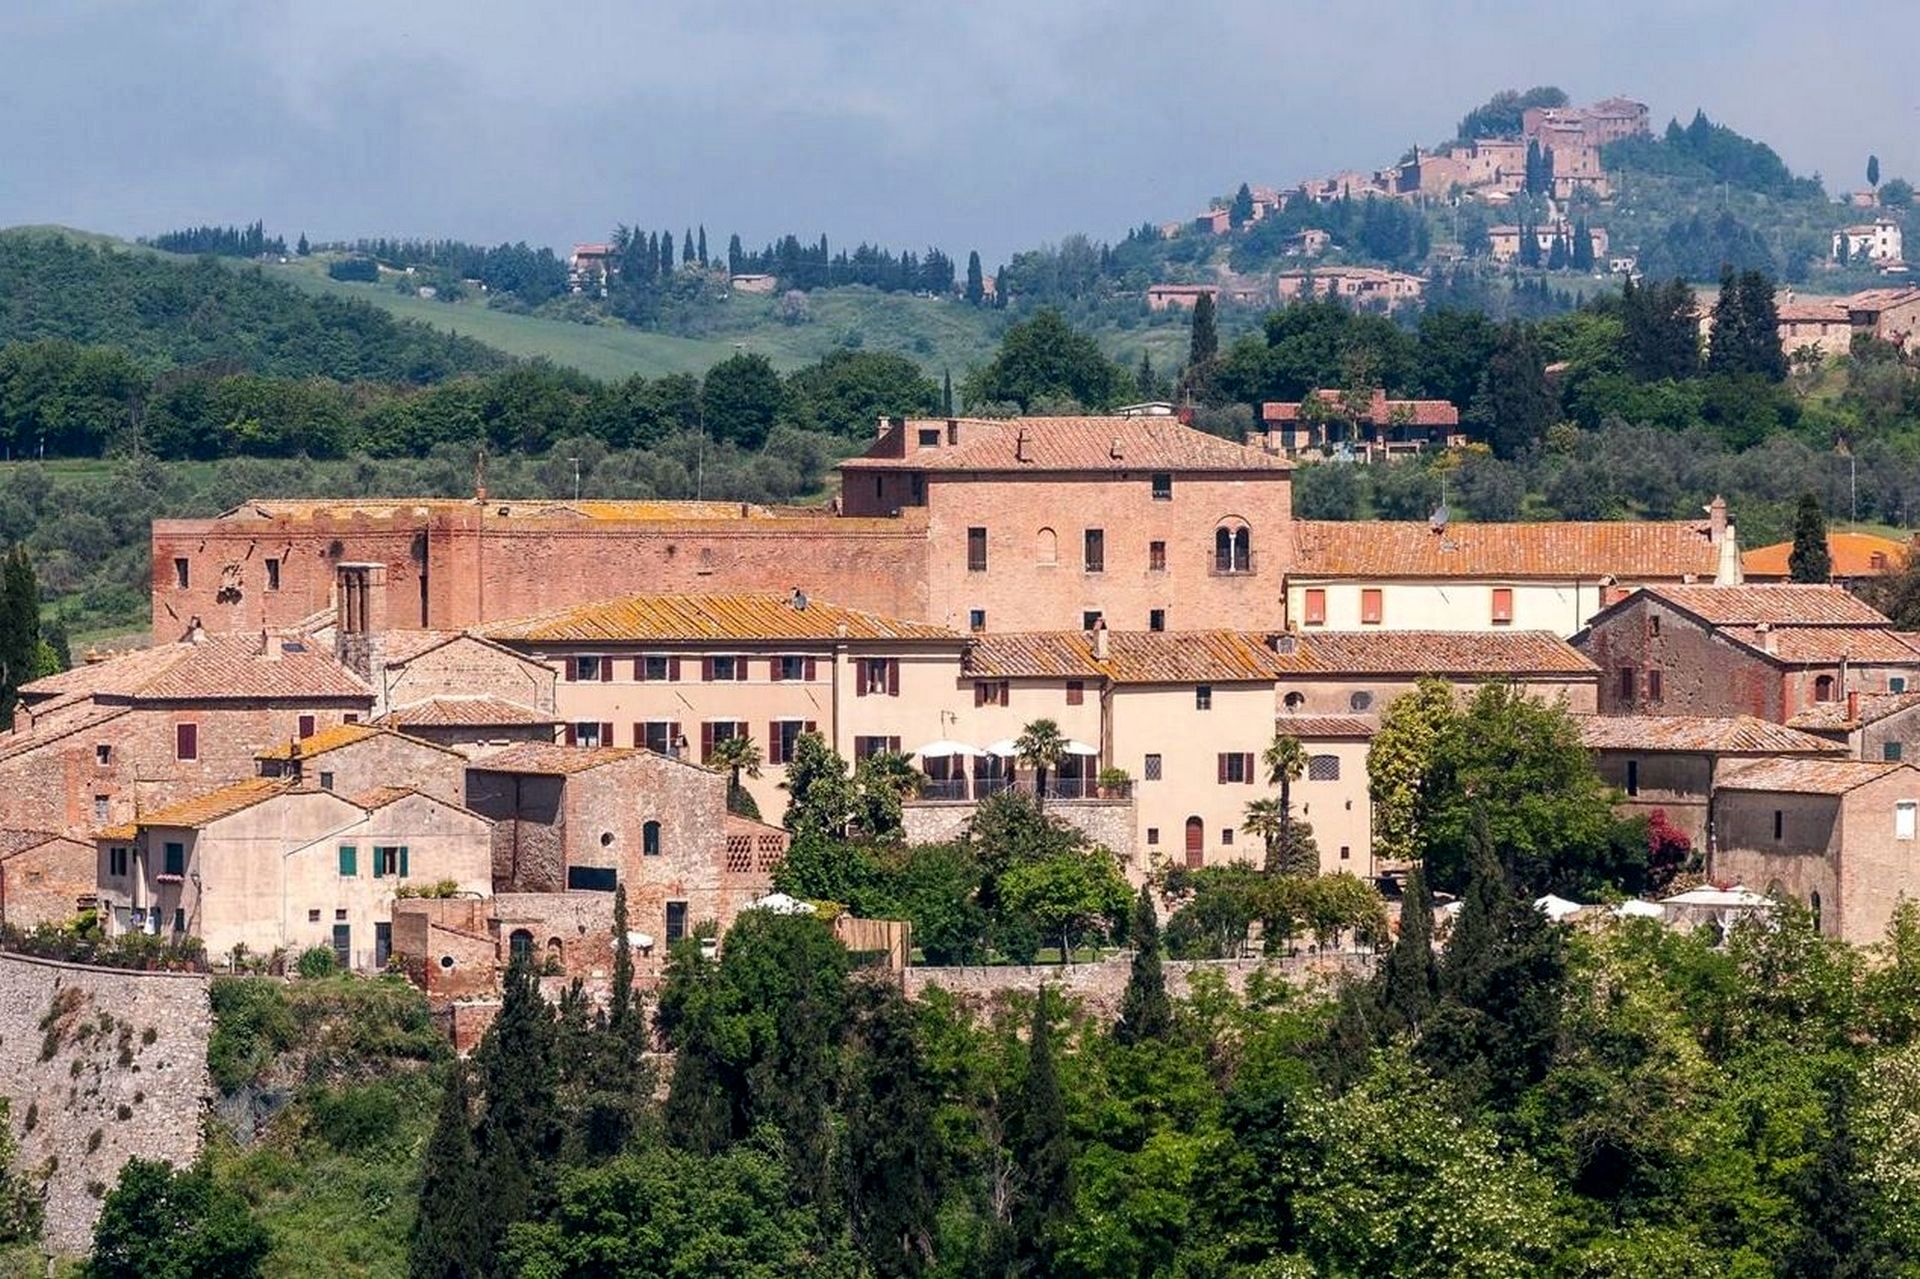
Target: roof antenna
[1437, 521]
[480, 475]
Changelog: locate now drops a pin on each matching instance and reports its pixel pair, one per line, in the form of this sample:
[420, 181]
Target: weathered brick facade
[44, 878]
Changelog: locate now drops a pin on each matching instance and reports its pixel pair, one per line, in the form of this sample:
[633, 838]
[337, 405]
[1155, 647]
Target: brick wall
[1700, 673]
[123, 1056]
[44, 884]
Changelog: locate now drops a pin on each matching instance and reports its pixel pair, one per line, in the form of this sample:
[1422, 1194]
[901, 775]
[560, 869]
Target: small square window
[1089, 619]
[1076, 692]
[1156, 619]
[792, 667]
[313, 916]
[929, 437]
[117, 862]
[1346, 852]
[100, 810]
[103, 751]
[1162, 487]
[1203, 697]
[1153, 836]
[1156, 557]
[977, 619]
[340, 914]
[1890, 751]
[1226, 836]
[326, 781]
[1152, 770]
[653, 668]
[1896, 683]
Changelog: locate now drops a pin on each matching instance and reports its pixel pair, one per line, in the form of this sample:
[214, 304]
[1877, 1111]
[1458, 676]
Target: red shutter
[1246, 768]
[1221, 762]
[186, 741]
[1006, 692]
[606, 733]
[773, 743]
[639, 670]
[706, 670]
[810, 727]
[740, 669]
[606, 670]
[706, 742]
[809, 670]
[860, 677]
[893, 677]
[673, 669]
[572, 669]
[893, 745]
[573, 735]
[1316, 606]
[979, 693]
[639, 734]
[673, 735]
[1076, 692]
[773, 668]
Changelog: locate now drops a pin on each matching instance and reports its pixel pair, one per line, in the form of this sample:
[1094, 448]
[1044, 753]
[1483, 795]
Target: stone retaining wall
[1098, 987]
[99, 1066]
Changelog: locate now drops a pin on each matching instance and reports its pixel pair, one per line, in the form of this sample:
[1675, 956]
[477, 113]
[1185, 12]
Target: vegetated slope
[188, 312]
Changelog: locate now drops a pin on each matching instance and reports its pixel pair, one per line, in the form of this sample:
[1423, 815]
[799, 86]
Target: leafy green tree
[820, 794]
[1452, 353]
[894, 1147]
[740, 398]
[302, 248]
[1240, 212]
[1075, 896]
[1581, 254]
[1145, 1011]
[1662, 333]
[1217, 909]
[1398, 762]
[882, 783]
[449, 1226]
[1043, 1151]
[739, 756]
[1043, 358]
[1897, 194]
[1810, 559]
[848, 391]
[162, 1222]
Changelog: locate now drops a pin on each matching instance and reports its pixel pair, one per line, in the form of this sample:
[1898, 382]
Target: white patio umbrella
[1006, 746]
[1072, 747]
[780, 904]
[944, 749]
[1739, 896]
[640, 941]
[1557, 908]
[1637, 909]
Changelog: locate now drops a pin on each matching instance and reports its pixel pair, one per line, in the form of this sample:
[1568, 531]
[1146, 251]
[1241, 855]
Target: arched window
[1196, 843]
[1233, 548]
[1823, 689]
[650, 839]
[1046, 547]
[520, 944]
[1813, 901]
[555, 951]
[1294, 701]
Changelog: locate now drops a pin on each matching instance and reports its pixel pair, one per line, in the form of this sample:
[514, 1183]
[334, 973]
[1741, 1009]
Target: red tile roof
[1133, 657]
[697, 618]
[218, 668]
[1805, 776]
[1824, 645]
[553, 761]
[1853, 555]
[1489, 654]
[1028, 444]
[1381, 411]
[1317, 727]
[1775, 603]
[1629, 551]
[1699, 734]
[1867, 708]
[465, 711]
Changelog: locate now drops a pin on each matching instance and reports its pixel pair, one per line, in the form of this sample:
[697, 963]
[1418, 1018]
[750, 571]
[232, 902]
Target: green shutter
[379, 857]
[349, 861]
[403, 861]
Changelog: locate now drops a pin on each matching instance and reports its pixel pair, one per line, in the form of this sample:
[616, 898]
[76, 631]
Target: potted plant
[1113, 783]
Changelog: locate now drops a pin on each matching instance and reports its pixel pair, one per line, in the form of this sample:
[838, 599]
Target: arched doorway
[1196, 843]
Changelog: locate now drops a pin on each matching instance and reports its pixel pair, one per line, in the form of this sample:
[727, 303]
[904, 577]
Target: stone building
[1869, 726]
[1323, 424]
[44, 878]
[356, 758]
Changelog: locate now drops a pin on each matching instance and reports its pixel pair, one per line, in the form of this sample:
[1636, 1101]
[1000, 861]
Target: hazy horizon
[982, 126]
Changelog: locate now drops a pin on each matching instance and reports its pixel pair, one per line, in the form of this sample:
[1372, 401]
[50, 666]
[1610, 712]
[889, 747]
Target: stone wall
[1098, 987]
[99, 1066]
[1104, 821]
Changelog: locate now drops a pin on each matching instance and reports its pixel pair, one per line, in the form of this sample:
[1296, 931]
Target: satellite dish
[1438, 520]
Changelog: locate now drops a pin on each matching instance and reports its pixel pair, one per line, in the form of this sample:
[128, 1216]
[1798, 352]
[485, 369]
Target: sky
[989, 124]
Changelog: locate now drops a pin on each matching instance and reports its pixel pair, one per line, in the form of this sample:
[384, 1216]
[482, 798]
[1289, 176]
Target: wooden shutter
[893, 676]
[186, 741]
[773, 743]
[979, 693]
[740, 668]
[606, 670]
[379, 862]
[1316, 606]
[571, 666]
[403, 861]
[774, 671]
[639, 734]
[1076, 692]
[1246, 767]
[673, 668]
[706, 670]
[639, 670]
[573, 735]
[810, 670]
[606, 734]
[860, 677]
[706, 741]
[673, 733]
[1006, 692]
[810, 727]
[1221, 762]
[893, 745]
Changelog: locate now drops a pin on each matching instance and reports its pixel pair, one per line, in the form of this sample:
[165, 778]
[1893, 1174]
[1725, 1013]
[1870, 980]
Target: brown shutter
[673, 734]
[706, 670]
[1246, 768]
[893, 676]
[773, 743]
[606, 733]
[706, 742]
[740, 669]
[774, 664]
[810, 727]
[979, 693]
[639, 734]
[893, 745]
[573, 735]
[673, 668]
[572, 668]
[606, 670]
[1221, 763]
[860, 677]
[639, 670]
[810, 670]
[1006, 692]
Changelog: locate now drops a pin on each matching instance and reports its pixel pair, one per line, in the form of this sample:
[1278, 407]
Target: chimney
[196, 633]
[1727, 571]
[1113, 449]
[1020, 446]
[1100, 640]
[1768, 641]
[1716, 519]
[269, 645]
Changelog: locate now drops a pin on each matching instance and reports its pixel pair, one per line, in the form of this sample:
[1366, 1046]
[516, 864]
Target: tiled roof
[1775, 603]
[14, 841]
[552, 761]
[1487, 653]
[1869, 708]
[1133, 657]
[1823, 645]
[1805, 776]
[202, 810]
[402, 646]
[1630, 551]
[218, 668]
[72, 719]
[413, 508]
[381, 796]
[327, 739]
[1381, 410]
[1075, 444]
[1806, 310]
[695, 618]
[1852, 555]
[464, 711]
[1723, 735]
[1325, 726]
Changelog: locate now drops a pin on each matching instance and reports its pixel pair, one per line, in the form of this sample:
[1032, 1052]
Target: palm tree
[738, 755]
[1265, 820]
[1286, 760]
[1041, 746]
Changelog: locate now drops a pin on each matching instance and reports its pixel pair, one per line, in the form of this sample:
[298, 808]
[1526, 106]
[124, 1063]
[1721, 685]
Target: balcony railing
[1230, 564]
[967, 790]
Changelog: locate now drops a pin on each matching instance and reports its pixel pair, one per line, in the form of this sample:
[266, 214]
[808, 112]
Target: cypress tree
[1763, 355]
[666, 253]
[686, 248]
[620, 1006]
[1204, 342]
[1873, 171]
[701, 253]
[519, 1130]
[1728, 347]
[1145, 1011]
[976, 280]
[1144, 376]
[946, 395]
[1408, 979]
[1240, 212]
[1810, 560]
[450, 1224]
[892, 1146]
[301, 247]
[734, 254]
[19, 629]
[1042, 1151]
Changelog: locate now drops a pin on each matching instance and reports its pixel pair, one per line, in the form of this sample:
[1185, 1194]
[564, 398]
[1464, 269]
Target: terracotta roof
[70, 721]
[1721, 735]
[1808, 310]
[218, 668]
[1852, 554]
[1868, 708]
[1325, 726]
[381, 796]
[1805, 776]
[1633, 551]
[1380, 410]
[695, 618]
[201, 810]
[1133, 657]
[14, 841]
[1475, 653]
[1775, 603]
[1075, 444]
[327, 739]
[414, 508]
[464, 711]
[552, 761]
[1824, 645]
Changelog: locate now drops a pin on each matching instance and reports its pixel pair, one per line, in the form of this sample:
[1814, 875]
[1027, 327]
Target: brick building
[1366, 287]
[1770, 651]
[1869, 726]
[356, 758]
[44, 878]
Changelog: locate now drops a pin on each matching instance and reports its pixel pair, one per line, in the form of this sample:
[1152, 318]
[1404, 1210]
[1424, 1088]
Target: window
[592, 879]
[929, 437]
[349, 861]
[1096, 550]
[1780, 822]
[917, 489]
[792, 668]
[863, 747]
[1360, 701]
[1162, 487]
[1823, 689]
[1896, 683]
[1235, 767]
[1323, 768]
[654, 668]
[1890, 751]
[1156, 557]
[1156, 619]
[186, 741]
[1203, 697]
[1046, 547]
[1226, 835]
[724, 668]
[1653, 626]
[976, 620]
[1294, 701]
[879, 676]
[1232, 549]
[1316, 606]
[273, 574]
[715, 731]
[1633, 777]
[587, 668]
[1076, 692]
[1089, 619]
[1371, 606]
[389, 860]
[174, 860]
[1502, 605]
[181, 576]
[650, 840]
[1152, 770]
[117, 862]
[1627, 677]
[676, 921]
[976, 550]
[103, 751]
[351, 717]
[656, 735]
[586, 733]
[1904, 814]
[1346, 852]
[991, 692]
[326, 781]
[1813, 906]
[180, 926]
[1653, 686]
[100, 809]
[313, 916]
[1153, 836]
[783, 736]
[306, 728]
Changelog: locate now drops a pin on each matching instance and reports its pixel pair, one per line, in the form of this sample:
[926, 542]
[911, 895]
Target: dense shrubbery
[85, 943]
